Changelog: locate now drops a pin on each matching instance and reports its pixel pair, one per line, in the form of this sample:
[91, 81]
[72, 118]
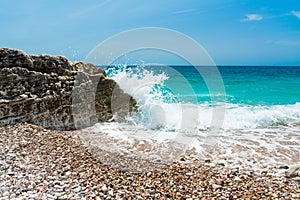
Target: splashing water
[172, 103]
[162, 106]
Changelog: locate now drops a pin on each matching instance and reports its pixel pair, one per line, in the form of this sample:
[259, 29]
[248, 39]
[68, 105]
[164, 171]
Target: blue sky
[248, 32]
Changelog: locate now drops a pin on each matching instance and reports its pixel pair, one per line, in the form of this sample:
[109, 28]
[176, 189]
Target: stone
[55, 93]
[216, 186]
[77, 189]
[10, 173]
[297, 179]
[219, 182]
[111, 192]
[24, 143]
[222, 162]
[33, 196]
[50, 196]
[293, 171]
[30, 187]
[68, 173]
[6, 194]
[283, 167]
[237, 179]
[104, 188]
[58, 194]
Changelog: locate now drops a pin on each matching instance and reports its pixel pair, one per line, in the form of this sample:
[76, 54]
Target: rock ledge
[55, 93]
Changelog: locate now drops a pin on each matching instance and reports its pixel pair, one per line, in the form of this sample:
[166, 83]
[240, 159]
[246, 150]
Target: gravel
[44, 164]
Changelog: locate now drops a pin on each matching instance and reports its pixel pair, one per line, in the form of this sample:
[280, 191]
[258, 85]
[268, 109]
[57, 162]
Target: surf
[163, 107]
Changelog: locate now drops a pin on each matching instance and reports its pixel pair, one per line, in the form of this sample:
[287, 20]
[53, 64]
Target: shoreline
[46, 164]
[234, 148]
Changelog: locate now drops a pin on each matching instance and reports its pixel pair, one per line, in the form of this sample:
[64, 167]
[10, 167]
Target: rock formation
[55, 93]
[293, 171]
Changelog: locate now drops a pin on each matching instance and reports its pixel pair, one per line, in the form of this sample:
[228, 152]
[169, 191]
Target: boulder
[55, 93]
[293, 171]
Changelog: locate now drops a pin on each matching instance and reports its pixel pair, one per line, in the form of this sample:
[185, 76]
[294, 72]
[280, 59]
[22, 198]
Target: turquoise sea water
[244, 85]
[238, 112]
[254, 96]
[262, 85]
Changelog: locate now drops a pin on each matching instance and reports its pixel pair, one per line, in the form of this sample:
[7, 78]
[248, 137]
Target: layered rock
[53, 92]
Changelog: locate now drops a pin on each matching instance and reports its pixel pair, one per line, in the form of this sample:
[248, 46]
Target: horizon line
[185, 65]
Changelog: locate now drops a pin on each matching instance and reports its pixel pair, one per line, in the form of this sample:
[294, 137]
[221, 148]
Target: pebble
[111, 192]
[296, 179]
[30, 187]
[222, 162]
[6, 194]
[77, 189]
[237, 179]
[10, 173]
[33, 196]
[68, 173]
[216, 186]
[293, 171]
[24, 143]
[104, 188]
[50, 196]
[283, 167]
[219, 182]
[55, 165]
[57, 194]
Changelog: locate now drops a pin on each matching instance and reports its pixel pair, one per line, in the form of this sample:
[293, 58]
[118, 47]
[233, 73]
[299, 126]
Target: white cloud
[252, 17]
[296, 13]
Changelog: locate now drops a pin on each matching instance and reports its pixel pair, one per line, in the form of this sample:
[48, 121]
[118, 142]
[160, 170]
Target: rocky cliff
[53, 92]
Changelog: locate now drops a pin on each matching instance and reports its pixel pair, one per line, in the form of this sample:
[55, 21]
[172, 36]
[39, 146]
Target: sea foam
[160, 108]
[260, 133]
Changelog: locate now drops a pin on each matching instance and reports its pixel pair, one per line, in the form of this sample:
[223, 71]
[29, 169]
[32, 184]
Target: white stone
[77, 189]
[50, 196]
[111, 192]
[57, 194]
[23, 96]
[215, 186]
[30, 187]
[10, 172]
[6, 194]
[237, 179]
[104, 188]
[297, 179]
[33, 196]
[24, 143]
[68, 173]
[222, 162]
[293, 171]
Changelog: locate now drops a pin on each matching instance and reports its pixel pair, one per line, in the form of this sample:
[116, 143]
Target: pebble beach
[36, 163]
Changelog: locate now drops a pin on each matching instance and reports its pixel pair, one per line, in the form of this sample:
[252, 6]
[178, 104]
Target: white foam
[159, 108]
[268, 133]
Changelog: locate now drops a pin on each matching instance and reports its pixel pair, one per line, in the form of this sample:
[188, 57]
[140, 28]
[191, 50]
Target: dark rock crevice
[55, 93]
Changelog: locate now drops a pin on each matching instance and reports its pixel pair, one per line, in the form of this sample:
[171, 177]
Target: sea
[246, 115]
